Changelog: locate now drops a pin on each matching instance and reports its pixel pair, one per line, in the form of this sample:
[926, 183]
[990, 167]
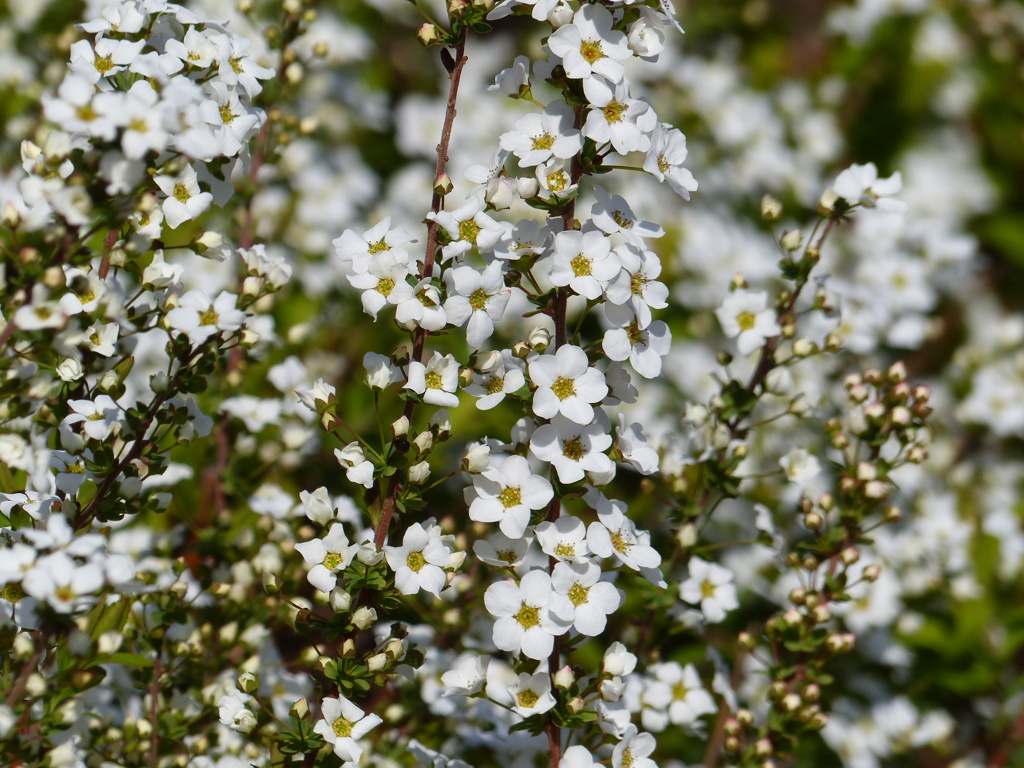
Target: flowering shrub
[581, 400]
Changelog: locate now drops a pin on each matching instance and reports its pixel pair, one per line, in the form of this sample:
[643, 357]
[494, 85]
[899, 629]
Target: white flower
[511, 80]
[234, 712]
[380, 373]
[479, 297]
[343, 723]
[467, 677]
[553, 176]
[467, 226]
[643, 348]
[633, 750]
[384, 281]
[578, 756]
[506, 492]
[688, 698]
[635, 291]
[584, 262]
[618, 662]
[358, 469]
[590, 46]
[582, 598]
[709, 585]
[503, 375]
[318, 506]
[97, 417]
[617, 117]
[525, 623]
[437, 381]
[860, 184]
[615, 535]
[531, 694]
[419, 562]
[540, 136]
[356, 251]
[634, 448]
[65, 585]
[199, 318]
[566, 384]
[744, 315]
[564, 539]
[665, 159]
[184, 201]
[801, 467]
[572, 449]
[104, 59]
[612, 215]
[422, 309]
[328, 556]
[501, 551]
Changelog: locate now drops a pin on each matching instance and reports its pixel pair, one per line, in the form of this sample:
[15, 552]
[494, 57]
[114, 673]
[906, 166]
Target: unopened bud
[872, 572]
[418, 473]
[248, 682]
[564, 678]
[791, 239]
[575, 705]
[540, 338]
[763, 748]
[771, 208]
[443, 185]
[429, 35]
[377, 662]
[363, 618]
[400, 426]
[813, 521]
[271, 584]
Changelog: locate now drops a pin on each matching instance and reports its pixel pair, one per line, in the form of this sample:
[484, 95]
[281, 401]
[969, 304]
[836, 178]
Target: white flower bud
[424, 442]
[418, 473]
[36, 685]
[791, 239]
[377, 662]
[501, 193]
[340, 600]
[364, 617]
[771, 208]
[527, 187]
[70, 369]
[687, 535]
[477, 458]
[540, 338]
[564, 678]
[23, 646]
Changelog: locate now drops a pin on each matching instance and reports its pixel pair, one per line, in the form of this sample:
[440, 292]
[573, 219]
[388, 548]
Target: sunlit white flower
[745, 315]
[328, 556]
[506, 492]
[524, 622]
[419, 562]
[709, 585]
[343, 723]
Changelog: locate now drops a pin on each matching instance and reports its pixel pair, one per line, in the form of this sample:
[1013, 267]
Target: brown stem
[154, 695]
[387, 511]
[24, 675]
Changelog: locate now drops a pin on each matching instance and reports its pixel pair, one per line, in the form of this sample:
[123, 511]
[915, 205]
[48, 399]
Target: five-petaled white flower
[566, 384]
[745, 315]
[540, 136]
[589, 46]
[573, 450]
[477, 297]
[582, 598]
[709, 585]
[437, 381]
[859, 184]
[506, 492]
[343, 723]
[328, 556]
[419, 562]
[185, 201]
[525, 623]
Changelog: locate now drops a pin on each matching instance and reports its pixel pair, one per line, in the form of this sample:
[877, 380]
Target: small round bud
[443, 185]
[429, 35]
[849, 556]
[771, 208]
[745, 717]
[872, 572]
[810, 563]
[813, 521]
[763, 748]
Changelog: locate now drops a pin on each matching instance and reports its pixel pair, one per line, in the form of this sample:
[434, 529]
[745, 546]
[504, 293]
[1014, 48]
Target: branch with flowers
[474, 502]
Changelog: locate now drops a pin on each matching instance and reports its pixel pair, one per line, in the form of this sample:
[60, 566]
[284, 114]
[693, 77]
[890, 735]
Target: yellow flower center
[433, 380]
[528, 616]
[510, 497]
[415, 561]
[544, 141]
[745, 320]
[226, 115]
[12, 592]
[342, 728]
[620, 543]
[332, 561]
[707, 589]
[578, 594]
[494, 385]
[679, 691]
[526, 699]
[591, 51]
[209, 317]
[614, 111]
[468, 230]
[557, 181]
[563, 388]
[478, 300]
[573, 449]
[180, 193]
[385, 286]
[103, 64]
[580, 266]
[377, 247]
[565, 550]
